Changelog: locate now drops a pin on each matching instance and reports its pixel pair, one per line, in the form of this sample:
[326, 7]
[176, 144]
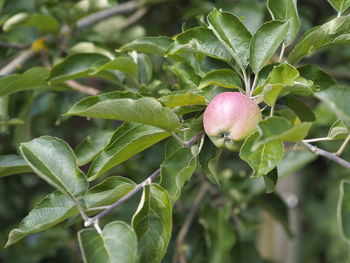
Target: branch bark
[329, 155]
[13, 45]
[94, 220]
[87, 21]
[104, 14]
[17, 62]
[179, 255]
[82, 88]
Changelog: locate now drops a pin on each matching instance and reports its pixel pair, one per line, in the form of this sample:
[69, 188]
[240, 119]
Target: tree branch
[13, 45]
[87, 21]
[329, 155]
[82, 88]
[94, 220]
[188, 221]
[132, 19]
[17, 62]
[104, 14]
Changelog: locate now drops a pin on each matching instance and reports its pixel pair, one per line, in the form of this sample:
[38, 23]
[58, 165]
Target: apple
[230, 117]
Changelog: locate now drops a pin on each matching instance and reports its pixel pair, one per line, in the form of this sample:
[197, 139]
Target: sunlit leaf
[265, 42]
[285, 10]
[232, 33]
[155, 45]
[200, 40]
[263, 159]
[127, 106]
[327, 34]
[222, 77]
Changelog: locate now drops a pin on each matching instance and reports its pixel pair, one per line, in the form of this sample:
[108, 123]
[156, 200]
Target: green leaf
[270, 180]
[265, 42]
[327, 34]
[92, 145]
[219, 233]
[13, 164]
[43, 23]
[53, 209]
[33, 78]
[276, 207]
[284, 80]
[293, 161]
[340, 5]
[285, 10]
[223, 77]
[200, 40]
[182, 98]
[319, 77]
[186, 76]
[154, 45]
[304, 113]
[128, 140]
[177, 168]
[338, 131]
[336, 99]
[264, 158]
[116, 244]
[208, 159]
[343, 210]
[152, 223]
[276, 128]
[77, 66]
[57, 207]
[145, 69]
[54, 161]
[123, 64]
[281, 76]
[232, 33]
[127, 106]
[108, 192]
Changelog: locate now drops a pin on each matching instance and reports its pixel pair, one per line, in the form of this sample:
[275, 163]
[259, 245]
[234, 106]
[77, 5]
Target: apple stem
[254, 85]
[283, 48]
[189, 142]
[343, 146]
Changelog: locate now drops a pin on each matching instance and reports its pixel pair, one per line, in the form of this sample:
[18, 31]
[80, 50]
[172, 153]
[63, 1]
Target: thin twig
[343, 146]
[130, 194]
[17, 62]
[188, 143]
[318, 139]
[147, 181]
[329, 155]
[104, 14]
[283, 48]
[253, 85]
[87, 21]
[188, 221]
[82, 88]
[13, 45]
[132, 19]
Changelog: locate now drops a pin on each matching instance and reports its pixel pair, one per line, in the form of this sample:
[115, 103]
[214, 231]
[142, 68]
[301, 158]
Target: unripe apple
[229, 117]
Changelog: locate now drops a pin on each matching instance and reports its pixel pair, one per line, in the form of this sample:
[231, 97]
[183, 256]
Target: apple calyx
[230, 117]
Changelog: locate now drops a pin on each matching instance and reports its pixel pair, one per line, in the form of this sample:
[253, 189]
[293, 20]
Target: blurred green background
[228, 215]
